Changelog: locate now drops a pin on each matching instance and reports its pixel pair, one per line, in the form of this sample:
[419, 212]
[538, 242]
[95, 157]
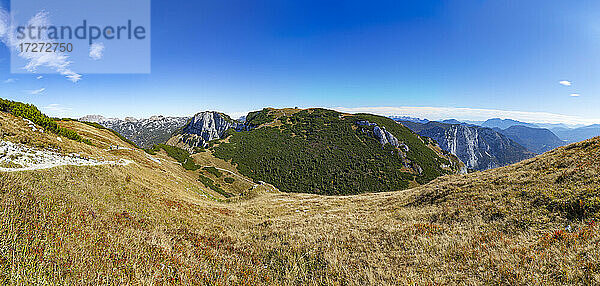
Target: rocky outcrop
[384, 136]
[203, 128]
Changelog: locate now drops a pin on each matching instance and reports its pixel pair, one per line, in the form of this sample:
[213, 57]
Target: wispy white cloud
[574, 95]
[476, 114]
[4, 22]
[565, 82]
[96, 51]
[10, 80]
[39, 77]
[36, 91]
[56, 108]
[58, 62]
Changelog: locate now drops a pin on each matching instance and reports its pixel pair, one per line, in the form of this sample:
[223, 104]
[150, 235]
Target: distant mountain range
[143, 132]
[541, 141]
[536, 137]
[408, 118]
[577, 134]
[479, 148]
[504, 123]
[537, 140]
[480, 145]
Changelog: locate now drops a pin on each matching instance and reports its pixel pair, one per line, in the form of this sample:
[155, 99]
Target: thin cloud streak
[36, 91]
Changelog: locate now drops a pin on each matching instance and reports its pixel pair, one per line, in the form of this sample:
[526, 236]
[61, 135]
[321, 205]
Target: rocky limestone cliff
[203, 128]
[479, 148]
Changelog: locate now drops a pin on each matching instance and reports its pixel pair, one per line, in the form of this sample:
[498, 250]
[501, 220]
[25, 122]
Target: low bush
[213, 171]
[30, 112]
[208, 182]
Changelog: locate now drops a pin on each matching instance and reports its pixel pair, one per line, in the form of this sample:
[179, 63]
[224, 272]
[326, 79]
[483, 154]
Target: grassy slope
[320, 151]
[30, 112]
[129, 224]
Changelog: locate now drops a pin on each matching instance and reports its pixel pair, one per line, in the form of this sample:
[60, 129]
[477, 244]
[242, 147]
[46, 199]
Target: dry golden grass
[149, 223]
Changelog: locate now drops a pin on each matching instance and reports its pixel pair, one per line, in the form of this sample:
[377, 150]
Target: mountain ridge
[301, 150]
[145, 132]
[537, 140]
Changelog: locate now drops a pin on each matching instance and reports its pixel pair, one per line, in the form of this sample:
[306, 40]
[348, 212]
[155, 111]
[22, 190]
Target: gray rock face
[143, 132]
[384, 136]
[211, 125]
[202, 128]
[479, 148]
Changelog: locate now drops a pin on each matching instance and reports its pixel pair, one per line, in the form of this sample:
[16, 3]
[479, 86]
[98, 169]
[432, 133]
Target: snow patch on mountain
[143, 132]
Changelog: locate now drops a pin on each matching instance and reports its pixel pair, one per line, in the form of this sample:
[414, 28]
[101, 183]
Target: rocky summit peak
[204, 127]
[156, 118]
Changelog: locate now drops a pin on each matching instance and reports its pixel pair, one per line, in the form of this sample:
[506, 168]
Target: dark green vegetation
[209, 183]
[320, 151]
[180, 155]
[258, 118]
[229, 180]
[213, 171]
[94, 124]
[30, 112]
[199, 149]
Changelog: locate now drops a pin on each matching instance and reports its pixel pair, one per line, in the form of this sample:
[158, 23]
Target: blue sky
[504, 57]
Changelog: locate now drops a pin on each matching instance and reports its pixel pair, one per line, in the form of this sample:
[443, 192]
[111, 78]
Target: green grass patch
[180, 155]
[209, 183]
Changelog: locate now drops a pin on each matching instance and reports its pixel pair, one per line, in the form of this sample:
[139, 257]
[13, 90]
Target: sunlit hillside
[153, 222]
